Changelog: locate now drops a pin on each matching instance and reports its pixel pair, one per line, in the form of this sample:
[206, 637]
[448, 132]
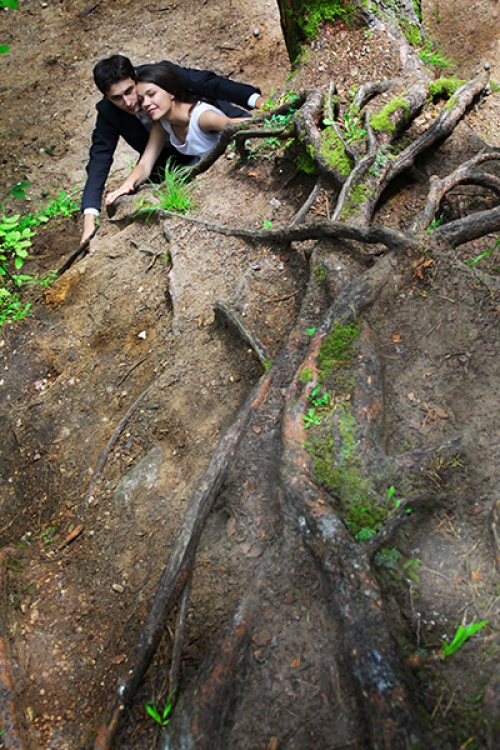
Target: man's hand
[260, 102]
[89, 226]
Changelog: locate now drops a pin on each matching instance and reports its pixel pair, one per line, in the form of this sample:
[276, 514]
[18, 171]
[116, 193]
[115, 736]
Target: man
[119, 114]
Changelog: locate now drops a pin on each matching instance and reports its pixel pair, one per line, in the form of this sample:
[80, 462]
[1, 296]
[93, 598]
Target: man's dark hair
[165, 76]
[112, 70]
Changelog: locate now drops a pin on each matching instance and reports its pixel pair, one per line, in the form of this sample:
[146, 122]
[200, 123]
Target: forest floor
[137, 313]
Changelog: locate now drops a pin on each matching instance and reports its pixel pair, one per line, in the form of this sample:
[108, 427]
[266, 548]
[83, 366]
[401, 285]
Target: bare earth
[126, 318]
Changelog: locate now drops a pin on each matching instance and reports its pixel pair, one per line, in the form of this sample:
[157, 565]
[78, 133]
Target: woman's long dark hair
[166, 77]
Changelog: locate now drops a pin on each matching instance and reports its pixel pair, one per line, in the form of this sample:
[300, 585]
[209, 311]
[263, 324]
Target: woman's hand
[125, 189]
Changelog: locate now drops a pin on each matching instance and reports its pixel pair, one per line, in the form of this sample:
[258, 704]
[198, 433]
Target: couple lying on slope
[194, 126]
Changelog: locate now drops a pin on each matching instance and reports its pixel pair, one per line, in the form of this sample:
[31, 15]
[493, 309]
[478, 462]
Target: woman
[194, 126]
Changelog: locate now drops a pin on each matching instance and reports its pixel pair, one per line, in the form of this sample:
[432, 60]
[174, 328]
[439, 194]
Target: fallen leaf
[255, 552]
[119, 659]
[231, 526]
[396, 338]
[411, 396]
[273, 744]
[295, 663]
[440, 413]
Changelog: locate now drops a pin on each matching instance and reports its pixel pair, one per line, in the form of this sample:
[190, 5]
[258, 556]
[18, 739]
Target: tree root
[388, 706]
[180, 629]
[230, 316]
[199, 721]
[464, 174]
[9, 721]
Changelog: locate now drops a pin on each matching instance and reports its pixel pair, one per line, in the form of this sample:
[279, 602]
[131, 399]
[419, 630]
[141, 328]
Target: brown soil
[137, 311]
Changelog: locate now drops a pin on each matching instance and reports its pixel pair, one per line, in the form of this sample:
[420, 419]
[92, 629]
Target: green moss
[412, 33]
[310, 13]
[341, 473]
[338, 347]
[417, 7]
[356, 198]
[320, 273]
[305, 161]
[333, 152]
[306, 375]
[444, 86]
[382, 121]
[495, 87]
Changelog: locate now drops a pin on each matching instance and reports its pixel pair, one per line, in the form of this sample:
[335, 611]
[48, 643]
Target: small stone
[256, 32]
[118, 588]
[141, 335]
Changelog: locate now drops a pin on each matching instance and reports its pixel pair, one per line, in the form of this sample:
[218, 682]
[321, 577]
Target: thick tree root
[181, 562]
[9, 722]
[388, 706]
[376, 666]
[199, 721]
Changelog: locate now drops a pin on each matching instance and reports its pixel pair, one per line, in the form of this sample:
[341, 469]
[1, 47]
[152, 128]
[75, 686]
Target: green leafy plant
[161, 717]
[463, 633]
[434, 58]
[311, 417]
[7, 4]
[267, 224]
[16, 233]
[352, 127]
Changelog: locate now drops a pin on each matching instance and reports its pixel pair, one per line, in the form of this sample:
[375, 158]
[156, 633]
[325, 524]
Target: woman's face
[154, 100]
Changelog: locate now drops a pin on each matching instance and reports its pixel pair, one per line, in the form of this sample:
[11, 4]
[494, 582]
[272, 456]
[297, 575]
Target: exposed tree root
[199, 721]
[465, 174]
[9, 721]
[180, 629]
[229, 315]
[388, 707]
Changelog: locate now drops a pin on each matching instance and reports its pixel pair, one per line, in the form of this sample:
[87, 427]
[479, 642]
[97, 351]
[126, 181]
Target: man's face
[124, 96]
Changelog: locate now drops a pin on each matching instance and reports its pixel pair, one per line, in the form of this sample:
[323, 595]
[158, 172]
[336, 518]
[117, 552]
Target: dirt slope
[138, 312]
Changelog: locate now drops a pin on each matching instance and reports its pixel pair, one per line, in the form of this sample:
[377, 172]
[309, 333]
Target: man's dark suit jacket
[113, 122]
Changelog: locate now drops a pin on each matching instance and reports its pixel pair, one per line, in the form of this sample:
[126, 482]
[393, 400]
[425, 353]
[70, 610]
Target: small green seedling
[311, 418]
[310, 331]
[317, 400]
[463, 633]
[164, 717]
[475, 260]
[267, 224]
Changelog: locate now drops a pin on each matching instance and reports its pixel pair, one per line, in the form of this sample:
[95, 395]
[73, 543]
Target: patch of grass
[320, 273]
[174, 193]
[161, 717]
[305, 161]
[464, 632]
[357, 197]
[315, 11]
[412, 33]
